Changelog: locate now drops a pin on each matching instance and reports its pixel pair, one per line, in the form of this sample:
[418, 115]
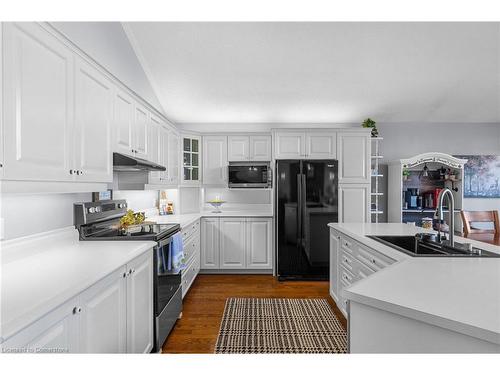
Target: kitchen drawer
[190, 230]
[348, 245]
[373, 259]
[348, 261]
[362, 271]
[346, 278]
[189, 274]
[192, 248]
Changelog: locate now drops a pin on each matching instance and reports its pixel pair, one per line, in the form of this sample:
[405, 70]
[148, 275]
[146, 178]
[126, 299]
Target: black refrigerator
[306, 201]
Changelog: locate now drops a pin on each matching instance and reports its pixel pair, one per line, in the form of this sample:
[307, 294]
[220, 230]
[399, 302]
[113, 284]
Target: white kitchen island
[396, 303]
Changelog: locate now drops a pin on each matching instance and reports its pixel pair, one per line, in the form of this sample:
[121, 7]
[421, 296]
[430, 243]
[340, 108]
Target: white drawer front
[373, 259]
[192, 248]
[190, 230]
[189, 275]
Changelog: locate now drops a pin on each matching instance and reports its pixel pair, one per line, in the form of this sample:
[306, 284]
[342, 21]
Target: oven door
[249, 175]
[166, 281]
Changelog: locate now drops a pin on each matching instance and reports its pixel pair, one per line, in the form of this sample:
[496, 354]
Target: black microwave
[249, 175]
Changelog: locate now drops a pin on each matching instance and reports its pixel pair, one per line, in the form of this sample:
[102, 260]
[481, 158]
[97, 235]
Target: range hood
[126, 163]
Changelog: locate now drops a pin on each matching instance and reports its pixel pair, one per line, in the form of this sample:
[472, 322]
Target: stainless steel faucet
[439, 213]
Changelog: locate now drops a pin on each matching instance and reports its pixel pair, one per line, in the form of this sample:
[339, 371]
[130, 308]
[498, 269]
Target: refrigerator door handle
[303, 200]
[299, 210]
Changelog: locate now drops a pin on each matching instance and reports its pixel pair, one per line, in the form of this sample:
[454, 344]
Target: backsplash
[27, 214]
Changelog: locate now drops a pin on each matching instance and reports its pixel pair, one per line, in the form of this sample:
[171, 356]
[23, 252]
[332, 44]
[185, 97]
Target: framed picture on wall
[481, 176]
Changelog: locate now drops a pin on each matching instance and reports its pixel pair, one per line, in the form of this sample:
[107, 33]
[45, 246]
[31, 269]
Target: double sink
[423, 245]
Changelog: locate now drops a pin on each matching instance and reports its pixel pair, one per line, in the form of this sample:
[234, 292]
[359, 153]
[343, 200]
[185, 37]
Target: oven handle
[166, 241]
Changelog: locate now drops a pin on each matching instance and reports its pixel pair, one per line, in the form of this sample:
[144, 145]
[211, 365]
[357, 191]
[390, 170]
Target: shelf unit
[433, 162]
[375, 195]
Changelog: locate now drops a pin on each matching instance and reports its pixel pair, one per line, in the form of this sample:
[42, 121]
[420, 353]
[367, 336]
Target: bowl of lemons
[216, 204]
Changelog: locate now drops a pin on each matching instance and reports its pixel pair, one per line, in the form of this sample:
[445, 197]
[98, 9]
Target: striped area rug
[280, 325]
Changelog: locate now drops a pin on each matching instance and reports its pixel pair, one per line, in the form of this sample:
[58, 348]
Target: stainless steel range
[100, 221]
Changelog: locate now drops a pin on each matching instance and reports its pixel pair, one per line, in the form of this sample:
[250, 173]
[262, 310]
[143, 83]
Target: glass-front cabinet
[191, 157]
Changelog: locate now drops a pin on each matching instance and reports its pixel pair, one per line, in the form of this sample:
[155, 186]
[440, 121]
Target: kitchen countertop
[41, 272]
[186, 219]
[460, 294]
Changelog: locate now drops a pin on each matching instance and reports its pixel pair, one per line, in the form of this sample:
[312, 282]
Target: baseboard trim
[236, 272]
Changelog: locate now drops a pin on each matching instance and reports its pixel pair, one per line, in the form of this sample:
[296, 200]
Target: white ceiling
[322, 72]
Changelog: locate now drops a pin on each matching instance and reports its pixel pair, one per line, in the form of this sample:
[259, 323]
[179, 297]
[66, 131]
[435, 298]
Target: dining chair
[469, 218]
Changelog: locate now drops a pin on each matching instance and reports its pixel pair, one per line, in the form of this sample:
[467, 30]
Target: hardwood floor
[196, 331]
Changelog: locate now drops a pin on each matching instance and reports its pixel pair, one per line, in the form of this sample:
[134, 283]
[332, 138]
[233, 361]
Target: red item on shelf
[436, 195]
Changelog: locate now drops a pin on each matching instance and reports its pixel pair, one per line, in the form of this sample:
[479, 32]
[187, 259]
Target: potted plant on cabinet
[369, 123]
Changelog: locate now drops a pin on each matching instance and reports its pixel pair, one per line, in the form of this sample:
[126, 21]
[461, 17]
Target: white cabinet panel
[173, 158]
[354, 203]
[154, 149]
[334, 265]
[321, 145]
[238, 148]
[289, 145]
[260, 147]
[215, 160]
[232, 245]
[56, 330]
[354, 157]
[210, 243]
[259, 243]
[103, 325]
[140, 304]
[123, 123]
[93, 120]
[141, 122]
[38, 105]
[164, 154]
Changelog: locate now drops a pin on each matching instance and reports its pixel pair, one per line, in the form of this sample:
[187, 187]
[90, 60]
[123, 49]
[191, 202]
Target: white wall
[26, 214]
[138, 200]
[406, 140]
[107, 43]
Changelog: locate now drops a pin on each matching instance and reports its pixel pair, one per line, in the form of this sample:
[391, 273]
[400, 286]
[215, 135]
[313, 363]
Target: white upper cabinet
[154, 147]
[354, 203]
[238, 148]
[93, 121]
[141, 122]
[354, 157]
[321, 145]
[103, 315]
[306, 145]
[289, 145]
[140, 314]
[249, 148]
[191, 159]
[173, 158]
[260, 147]
[164, 154]
[259, 236]
[232, 244]
[38, 105]
[215, 160]
[124, 123]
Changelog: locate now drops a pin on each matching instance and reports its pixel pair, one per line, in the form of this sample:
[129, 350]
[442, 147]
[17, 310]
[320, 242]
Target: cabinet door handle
[77, 310]
[124, 274]
[78, 172]
[71, 171]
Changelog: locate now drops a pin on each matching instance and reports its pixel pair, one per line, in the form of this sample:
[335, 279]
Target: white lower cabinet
[259, 243]
[191, 239]
[235, 243]
[115, 315]
[140, 305]
[56, 332]
[350, 262]
[232, 243]
[210, 240]
[103, 315]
